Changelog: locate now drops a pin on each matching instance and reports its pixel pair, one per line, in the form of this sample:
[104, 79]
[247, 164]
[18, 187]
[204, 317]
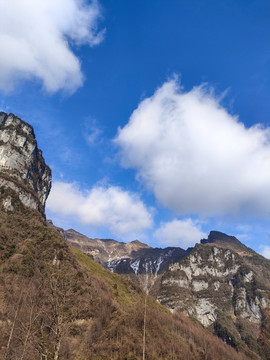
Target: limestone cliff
[225, 286]
[22, 166]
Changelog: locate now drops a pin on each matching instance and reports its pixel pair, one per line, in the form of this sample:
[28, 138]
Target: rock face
[131, 258]
[224, 285]
[22, 166]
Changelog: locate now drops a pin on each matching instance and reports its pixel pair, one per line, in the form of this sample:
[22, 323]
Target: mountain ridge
[220, 282]
[126, 258]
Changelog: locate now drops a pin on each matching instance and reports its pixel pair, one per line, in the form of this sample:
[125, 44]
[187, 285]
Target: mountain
[220, 282]
[58, 303]
[226, 287]
[125, 258]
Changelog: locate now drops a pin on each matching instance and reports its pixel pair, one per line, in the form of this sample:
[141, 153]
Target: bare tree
[19, 303]
[144, 324]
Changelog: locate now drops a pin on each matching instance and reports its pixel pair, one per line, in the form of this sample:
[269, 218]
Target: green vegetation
[124, 291]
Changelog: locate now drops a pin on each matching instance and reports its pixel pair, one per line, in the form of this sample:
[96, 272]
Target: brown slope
[58, 304]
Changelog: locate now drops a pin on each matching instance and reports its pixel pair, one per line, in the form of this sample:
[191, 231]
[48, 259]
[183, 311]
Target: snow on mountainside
[125, 258]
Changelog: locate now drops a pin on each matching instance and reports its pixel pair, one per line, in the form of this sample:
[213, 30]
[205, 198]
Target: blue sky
[153, 115]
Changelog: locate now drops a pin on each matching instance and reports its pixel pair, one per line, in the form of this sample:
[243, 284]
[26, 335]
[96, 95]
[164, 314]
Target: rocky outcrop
[207, 278]
[224, 285]
[22, 166]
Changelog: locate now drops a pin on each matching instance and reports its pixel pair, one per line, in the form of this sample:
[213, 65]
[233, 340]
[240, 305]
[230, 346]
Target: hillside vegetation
[57, 303]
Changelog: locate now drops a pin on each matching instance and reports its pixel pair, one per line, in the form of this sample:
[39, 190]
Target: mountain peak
[217, 236]
[138, 243]
[227, 241]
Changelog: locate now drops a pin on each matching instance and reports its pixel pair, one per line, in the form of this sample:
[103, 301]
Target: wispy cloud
[120, 211]
[35, 37]
[265, 251]
[195, 156]
[182, 233]
[92, 132]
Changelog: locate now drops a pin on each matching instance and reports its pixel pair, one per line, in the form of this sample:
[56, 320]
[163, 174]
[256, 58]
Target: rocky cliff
[22, 166]
[225, 286]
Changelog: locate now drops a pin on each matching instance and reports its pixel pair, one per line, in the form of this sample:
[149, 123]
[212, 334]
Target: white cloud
[195, 156]
[120, 211]
[182, 233]
[35, 38]
[92, 132]
[242, 237]
[265, 251]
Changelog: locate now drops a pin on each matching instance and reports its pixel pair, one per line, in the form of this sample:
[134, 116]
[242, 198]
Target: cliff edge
[22, 166]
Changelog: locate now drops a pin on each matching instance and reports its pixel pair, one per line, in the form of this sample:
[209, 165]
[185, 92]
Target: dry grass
[58, 302]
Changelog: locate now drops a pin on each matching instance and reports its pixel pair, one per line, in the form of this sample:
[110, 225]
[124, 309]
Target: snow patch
[135, 265]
